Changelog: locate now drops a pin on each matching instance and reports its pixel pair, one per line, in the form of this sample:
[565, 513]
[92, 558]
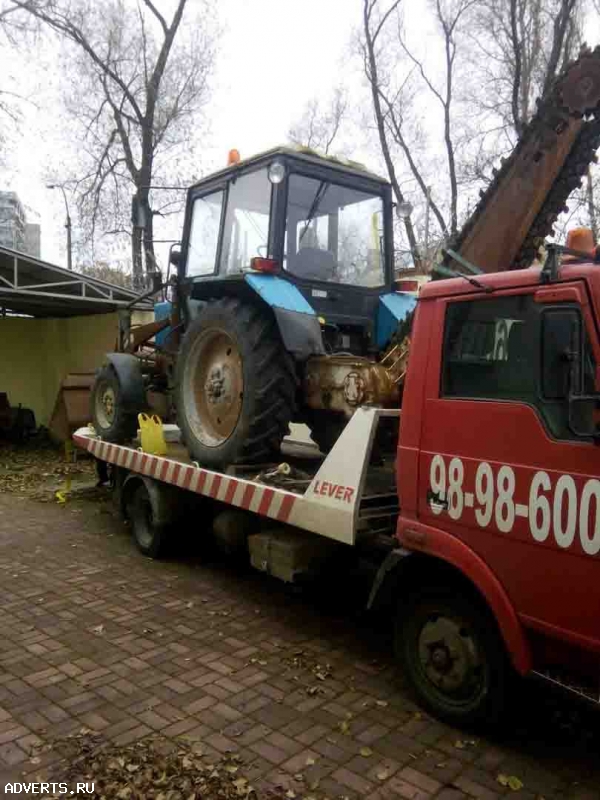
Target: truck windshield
[334, 233]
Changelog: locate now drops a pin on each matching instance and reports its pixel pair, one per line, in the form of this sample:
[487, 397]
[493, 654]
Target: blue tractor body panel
[393, 309]
[162, 311]
[279, 293]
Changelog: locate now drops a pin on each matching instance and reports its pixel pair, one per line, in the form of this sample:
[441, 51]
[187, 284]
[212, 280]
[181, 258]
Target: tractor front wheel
[111, 420]
[235, 385]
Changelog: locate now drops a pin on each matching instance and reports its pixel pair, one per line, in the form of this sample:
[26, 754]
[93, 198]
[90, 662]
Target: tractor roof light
[276, 172]
[267, 265]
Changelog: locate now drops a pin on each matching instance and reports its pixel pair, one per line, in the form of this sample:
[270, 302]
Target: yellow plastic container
[151, 434]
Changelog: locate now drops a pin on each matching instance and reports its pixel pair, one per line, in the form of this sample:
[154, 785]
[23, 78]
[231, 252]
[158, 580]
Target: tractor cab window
[204, 235]
[334, 233]
[246, 229]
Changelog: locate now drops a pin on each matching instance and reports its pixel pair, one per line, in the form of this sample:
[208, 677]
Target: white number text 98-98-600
[563, 509]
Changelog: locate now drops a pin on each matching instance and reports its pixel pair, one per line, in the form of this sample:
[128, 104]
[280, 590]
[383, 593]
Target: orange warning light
[581, 239]
[233, 157]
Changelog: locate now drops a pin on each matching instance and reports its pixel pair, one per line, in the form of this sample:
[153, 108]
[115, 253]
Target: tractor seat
[312, 262]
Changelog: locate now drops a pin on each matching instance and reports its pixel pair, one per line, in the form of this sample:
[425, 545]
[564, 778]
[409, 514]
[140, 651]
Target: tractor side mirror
[175, 257]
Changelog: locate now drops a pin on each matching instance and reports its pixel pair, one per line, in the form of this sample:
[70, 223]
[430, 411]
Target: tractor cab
[321, 226]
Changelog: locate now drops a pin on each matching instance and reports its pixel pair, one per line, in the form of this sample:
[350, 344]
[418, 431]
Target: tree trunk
[591, 205]
[136, 245]
[148, 237]
[372, 76]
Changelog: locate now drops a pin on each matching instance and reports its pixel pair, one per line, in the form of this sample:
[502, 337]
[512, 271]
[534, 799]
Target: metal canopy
[39, 289]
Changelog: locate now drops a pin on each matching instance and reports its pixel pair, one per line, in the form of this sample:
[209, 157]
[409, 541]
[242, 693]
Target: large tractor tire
[235, 385]
[112, 421]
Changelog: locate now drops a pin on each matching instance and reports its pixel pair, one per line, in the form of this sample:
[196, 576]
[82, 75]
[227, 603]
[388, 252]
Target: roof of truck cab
[303, 154]
[450, 287]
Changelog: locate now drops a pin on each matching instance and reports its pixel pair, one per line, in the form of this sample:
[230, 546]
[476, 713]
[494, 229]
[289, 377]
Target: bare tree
[320, 122]
[523, 45]
[136, 88]
[448, 17]
[494, 58]
[374, 21]
[11, 26]
[590, 192]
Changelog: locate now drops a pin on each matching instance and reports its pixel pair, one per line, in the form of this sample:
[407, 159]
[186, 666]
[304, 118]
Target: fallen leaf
[310, 761]
[381, 703]
[511, 781]
[383, 775]
[366, 752]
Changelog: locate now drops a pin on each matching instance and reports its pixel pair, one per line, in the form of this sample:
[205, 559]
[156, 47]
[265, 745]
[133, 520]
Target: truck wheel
[110, 419]
[235, 385]
[453, 656]
[149, 534]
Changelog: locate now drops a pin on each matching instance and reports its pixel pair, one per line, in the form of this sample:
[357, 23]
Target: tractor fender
[298, 324]
[131, 380]
[403, 571]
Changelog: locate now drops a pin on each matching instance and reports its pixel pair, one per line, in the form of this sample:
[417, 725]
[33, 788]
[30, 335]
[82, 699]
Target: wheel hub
[448, 654]
[218, 385]
[105, 405]
[108, 402]
[215, 378]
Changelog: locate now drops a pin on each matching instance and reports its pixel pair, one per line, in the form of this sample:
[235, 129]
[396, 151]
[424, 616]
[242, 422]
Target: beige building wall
[36, 355]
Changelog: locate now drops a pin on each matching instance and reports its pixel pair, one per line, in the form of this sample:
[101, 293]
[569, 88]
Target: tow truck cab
[498, 464]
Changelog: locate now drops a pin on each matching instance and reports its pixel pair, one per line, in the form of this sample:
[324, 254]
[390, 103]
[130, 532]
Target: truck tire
[452, 654]
[235, 385]
[111, 420]
[149, 534]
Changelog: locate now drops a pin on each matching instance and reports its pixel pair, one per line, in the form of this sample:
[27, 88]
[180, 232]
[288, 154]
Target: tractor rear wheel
[111, 420]
[235, 385]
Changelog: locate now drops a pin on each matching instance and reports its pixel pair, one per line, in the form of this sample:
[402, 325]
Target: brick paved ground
[92, 634]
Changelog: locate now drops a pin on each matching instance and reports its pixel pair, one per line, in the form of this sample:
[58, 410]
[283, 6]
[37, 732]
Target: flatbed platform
[338, 496]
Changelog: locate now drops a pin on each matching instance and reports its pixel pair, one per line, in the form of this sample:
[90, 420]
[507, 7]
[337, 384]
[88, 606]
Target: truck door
[508, 463]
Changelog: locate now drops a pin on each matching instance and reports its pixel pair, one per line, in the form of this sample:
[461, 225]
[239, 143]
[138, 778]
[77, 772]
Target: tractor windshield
[334, 233]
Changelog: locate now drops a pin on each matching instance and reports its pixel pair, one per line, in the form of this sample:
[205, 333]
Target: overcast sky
[274, 56]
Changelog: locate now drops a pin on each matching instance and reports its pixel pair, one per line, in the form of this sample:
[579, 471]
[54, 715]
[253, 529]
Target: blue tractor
[283, 309]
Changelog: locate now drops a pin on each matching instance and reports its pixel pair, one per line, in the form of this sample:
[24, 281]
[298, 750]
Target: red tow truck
[484, 534]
